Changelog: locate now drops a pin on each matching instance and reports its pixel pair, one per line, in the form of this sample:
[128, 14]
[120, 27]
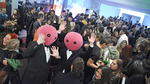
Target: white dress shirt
[47, 52]
[69, 53]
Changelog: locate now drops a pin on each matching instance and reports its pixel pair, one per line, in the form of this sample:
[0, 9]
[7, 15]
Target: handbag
[3, 75]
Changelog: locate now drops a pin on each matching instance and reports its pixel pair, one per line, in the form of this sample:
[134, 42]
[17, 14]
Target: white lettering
[3, 1]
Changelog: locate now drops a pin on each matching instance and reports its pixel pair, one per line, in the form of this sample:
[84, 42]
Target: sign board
[2, 3]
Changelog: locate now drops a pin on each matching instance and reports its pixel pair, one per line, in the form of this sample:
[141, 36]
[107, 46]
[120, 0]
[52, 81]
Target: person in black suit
[71, 50]
[40, 56]
[73, 77]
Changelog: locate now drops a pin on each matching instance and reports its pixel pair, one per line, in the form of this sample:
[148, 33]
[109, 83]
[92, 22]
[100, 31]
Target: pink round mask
[50, 32]
[73, 41]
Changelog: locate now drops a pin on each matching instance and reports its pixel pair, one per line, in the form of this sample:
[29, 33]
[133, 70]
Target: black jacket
[69, 78]
[135, 67]
[38, 69]
[66, 64]
[28, 19]
[136, 79]
[13, 76]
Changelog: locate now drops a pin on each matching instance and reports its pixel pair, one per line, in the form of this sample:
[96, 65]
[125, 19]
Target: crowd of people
[80, 50]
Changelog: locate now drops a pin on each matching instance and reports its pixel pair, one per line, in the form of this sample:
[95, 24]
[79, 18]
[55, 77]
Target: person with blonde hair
[10, 61]
[116, 67]
[121, 46]
[72, 24]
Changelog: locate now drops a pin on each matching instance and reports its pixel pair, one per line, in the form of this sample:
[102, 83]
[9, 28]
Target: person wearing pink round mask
[71, 49]
[40, 56]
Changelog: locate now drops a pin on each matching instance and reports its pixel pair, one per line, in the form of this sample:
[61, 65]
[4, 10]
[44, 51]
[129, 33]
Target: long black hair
[105, 77]
[2, 35]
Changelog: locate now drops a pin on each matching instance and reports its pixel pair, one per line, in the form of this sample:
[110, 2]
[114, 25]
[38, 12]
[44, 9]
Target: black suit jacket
[65, 63]
[69, 78]
[38, 69]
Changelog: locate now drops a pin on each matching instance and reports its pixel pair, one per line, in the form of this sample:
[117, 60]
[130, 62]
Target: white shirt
[122, 37]
[69, 53]
[47, 52]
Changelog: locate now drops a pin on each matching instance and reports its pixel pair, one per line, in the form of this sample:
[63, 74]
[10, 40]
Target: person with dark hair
[118, 27]
[116, 34]
[86, 27]
[3, 15]
[9, 29]
[133, 28]
[5, 23]
[77, 28]
[102, 75]
[80, 22]
[123, 36]
[85, 35]
[45, 16]
[41, 11]
[110, 53]
[16, 16]
[74, 76]
[63, 15]
[137, 71]
[131, 38]
[29, 19]
[101, 29]
[54, 19]
[138, 32]
[67, 11]
[140, 50]
[37, 23]
[92, 59]
[107, 32]
[116, 67]
[2, 35]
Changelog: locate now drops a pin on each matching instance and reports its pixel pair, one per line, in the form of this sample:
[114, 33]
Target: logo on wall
[2, 3]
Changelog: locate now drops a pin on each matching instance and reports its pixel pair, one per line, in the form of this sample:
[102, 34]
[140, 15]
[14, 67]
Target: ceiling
[136, 5]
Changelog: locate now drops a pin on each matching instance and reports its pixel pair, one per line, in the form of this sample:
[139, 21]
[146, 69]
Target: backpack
[113, 53]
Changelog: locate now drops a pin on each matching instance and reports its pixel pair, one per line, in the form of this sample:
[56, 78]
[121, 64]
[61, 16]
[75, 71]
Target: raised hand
[92, 38]
[62, 26]
[55, 52]
[41, 38]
